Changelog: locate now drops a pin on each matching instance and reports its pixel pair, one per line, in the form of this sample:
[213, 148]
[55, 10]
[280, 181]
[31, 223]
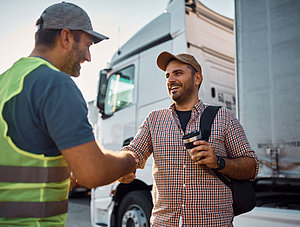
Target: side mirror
[102, 90]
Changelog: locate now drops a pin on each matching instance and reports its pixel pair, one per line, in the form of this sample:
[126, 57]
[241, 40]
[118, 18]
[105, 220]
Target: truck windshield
[119, 93]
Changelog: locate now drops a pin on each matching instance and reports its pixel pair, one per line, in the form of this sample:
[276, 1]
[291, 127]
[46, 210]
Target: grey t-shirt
[49, 115]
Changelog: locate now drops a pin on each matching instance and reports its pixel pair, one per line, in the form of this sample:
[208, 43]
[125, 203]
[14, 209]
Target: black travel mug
[188, 140]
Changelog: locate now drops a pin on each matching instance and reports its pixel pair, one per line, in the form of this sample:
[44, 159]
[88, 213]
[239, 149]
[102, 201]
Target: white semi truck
[134, 86]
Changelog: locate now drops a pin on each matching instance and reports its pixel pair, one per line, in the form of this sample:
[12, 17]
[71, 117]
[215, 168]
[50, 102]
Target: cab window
[120, 89]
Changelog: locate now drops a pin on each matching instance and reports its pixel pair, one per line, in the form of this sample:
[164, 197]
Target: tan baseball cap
[165, 57]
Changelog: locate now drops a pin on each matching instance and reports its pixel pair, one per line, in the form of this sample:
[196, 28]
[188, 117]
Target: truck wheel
[135, 209]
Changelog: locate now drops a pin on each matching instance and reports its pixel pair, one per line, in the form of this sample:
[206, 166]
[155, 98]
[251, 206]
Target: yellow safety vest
[33, 188]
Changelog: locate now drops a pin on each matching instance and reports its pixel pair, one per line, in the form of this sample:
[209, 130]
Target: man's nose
[88, 56]
[171, 78]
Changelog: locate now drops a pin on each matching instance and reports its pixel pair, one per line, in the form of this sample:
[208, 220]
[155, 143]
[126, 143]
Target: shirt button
[184, 185]
[182, 205]
[184, 166]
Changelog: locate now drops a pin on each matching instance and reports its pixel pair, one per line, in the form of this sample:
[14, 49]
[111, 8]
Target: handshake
[128, 178]
[95, 166]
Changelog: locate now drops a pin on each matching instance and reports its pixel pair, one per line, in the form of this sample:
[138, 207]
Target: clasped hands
[128, 178]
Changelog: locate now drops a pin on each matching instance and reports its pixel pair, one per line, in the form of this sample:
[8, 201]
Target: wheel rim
[134, 217]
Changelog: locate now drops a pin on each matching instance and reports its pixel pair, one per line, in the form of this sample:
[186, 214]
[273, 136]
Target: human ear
[198, 78]
[66, 38]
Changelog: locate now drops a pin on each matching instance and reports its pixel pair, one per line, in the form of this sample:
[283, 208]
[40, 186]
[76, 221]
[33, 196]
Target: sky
[117, 19]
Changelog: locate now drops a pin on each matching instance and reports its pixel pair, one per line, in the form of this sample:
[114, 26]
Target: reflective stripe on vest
[32, 209]
[25, 174]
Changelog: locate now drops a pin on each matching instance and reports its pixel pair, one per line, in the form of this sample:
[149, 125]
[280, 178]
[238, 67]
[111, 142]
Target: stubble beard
[72, 62]
[185, 95]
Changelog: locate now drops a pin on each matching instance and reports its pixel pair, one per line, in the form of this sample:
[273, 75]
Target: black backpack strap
[206, 121]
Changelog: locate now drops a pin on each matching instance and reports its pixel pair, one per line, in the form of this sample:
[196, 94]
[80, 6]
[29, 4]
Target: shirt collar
[199, 107]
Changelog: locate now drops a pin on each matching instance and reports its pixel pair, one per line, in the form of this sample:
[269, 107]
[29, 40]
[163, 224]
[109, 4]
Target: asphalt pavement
[79, 214]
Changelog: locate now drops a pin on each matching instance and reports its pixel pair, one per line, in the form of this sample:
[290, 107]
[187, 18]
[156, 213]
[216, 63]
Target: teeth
[174, 87]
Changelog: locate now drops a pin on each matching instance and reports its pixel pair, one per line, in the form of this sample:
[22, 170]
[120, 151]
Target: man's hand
[240, 168]
[92, 167]
[203, 154]
[127, 178]
[73, 182]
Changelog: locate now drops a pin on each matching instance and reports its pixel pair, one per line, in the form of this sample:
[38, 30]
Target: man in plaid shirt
[186, 192]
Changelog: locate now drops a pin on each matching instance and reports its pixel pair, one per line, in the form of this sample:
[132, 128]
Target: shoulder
[44, 80]
[228, 120]
[224, 117]
[157, 116]
[47, 88]
[46, 75]
[159, 113]
[225, 114]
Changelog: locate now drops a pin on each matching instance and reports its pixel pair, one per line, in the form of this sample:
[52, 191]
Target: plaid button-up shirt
[181, 188]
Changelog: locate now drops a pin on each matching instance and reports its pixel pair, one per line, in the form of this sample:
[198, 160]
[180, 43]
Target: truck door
[118, 119]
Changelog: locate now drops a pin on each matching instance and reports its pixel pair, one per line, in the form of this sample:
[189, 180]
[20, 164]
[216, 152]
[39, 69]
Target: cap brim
[97, 37]
[163, 59]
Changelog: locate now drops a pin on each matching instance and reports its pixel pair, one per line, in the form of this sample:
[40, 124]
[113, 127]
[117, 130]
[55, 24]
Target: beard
[184, 93]
[72, 62]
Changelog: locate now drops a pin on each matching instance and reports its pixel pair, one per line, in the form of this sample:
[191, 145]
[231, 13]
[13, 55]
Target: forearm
[93, 168]
[239, 168]
[123, 163]
[106, 168]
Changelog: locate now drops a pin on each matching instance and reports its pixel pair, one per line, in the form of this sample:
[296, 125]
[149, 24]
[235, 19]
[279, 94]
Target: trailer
[267, 34]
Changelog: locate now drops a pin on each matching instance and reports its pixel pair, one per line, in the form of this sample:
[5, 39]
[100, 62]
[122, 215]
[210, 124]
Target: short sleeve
[63, 113]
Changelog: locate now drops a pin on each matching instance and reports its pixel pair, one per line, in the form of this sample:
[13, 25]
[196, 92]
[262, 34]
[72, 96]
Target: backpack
[243, 195]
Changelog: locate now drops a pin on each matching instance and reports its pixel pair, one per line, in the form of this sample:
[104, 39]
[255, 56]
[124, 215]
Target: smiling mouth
[173, 88]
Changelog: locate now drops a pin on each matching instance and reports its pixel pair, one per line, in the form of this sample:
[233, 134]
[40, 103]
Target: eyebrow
[174, 71]
[177, 70]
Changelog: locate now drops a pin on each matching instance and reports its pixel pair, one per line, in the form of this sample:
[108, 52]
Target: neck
[186, 106]
[48, 54]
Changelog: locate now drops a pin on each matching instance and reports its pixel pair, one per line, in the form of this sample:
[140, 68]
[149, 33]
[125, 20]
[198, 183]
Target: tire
[135, 209]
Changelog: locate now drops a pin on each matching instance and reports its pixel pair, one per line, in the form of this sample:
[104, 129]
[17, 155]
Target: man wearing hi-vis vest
[44, 130]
